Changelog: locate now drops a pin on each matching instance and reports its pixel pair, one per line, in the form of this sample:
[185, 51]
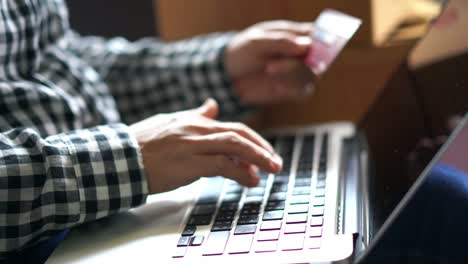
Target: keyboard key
[313, 242]
[234, 189]
[189, 230]
[179, 252]
[279, 187]
[216, 243]
[319, 201]
[250, 210]
[251, 205]
[296, 218]
[221, 226]
[231, 197]
[263, 180]
[232, 182]
[183, 241]
[225, 216]
[206, 209]
[295, 228]
[200, 220]
[316, 221]
[292, 242]
[273, 215]
[275, 205]
[247, 219]
[281, 178]
[321, 175]
[320, 184]
[315, 232]
[268, 235]
[298, 209]
[304, 171]
[225, 207]
[263, 174]
[317, 210]
[301, 190]
[197, 240]
[281, 196]
[271, 225]
[240, 244]
[320, 192]
[299, 199]
[253, 200]
[257, 191]
[265, 246]
[302, 182]
[245, 229]
[212, 190]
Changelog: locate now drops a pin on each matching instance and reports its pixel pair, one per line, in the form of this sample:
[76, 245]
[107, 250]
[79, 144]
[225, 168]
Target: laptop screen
[413, 114]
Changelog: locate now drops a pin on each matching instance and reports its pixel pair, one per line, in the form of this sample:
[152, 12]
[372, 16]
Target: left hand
[266, 64]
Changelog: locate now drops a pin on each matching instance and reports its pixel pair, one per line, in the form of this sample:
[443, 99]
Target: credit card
[332, 31]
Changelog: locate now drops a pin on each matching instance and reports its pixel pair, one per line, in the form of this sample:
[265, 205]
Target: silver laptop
[325, 206]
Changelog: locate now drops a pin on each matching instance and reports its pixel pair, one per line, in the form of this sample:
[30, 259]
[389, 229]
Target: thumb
[208, 109]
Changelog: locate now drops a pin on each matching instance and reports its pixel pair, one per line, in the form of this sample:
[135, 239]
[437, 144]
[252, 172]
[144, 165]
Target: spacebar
[216, 243]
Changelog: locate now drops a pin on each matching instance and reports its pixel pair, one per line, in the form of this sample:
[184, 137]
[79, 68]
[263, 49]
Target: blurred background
[108, 18]
[345, 92]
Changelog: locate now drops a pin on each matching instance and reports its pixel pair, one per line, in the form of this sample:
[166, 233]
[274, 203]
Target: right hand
[181, 147]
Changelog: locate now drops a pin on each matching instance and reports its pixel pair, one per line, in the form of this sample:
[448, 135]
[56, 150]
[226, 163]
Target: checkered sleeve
[150, 76]
[52, 183]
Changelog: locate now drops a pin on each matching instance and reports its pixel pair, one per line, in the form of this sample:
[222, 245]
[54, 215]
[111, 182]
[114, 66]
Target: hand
[181, 147]
[266, 62]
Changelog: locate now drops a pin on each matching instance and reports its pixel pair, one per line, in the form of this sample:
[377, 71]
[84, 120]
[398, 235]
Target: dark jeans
[433, 228]
[38, 253]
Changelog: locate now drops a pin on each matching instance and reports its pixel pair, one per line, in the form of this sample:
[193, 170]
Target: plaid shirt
[66, 156]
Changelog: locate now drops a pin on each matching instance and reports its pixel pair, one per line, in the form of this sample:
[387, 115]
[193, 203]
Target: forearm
[150, 76]
[49, 184]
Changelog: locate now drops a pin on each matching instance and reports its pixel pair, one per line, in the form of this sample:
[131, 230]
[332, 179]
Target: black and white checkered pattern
[66, 156]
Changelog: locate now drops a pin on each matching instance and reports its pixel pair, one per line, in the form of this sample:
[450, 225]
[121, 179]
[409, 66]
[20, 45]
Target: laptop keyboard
[284, 212]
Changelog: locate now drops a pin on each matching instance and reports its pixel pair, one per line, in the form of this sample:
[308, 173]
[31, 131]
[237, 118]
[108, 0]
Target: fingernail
[303, 40]
[276, 161]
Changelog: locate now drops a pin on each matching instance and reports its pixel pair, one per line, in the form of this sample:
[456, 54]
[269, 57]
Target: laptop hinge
[353, 195]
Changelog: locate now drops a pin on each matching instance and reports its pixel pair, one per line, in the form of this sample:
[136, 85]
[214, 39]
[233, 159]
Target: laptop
[340, 188]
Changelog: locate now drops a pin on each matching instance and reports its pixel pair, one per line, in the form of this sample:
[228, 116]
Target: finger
[204, 126]
[241, 129]
[233, 145]
[289, 26]
[282, 44]
[222, 165]
[209, 109]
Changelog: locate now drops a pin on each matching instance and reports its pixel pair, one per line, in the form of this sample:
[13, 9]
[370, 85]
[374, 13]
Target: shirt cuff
[108, 168]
